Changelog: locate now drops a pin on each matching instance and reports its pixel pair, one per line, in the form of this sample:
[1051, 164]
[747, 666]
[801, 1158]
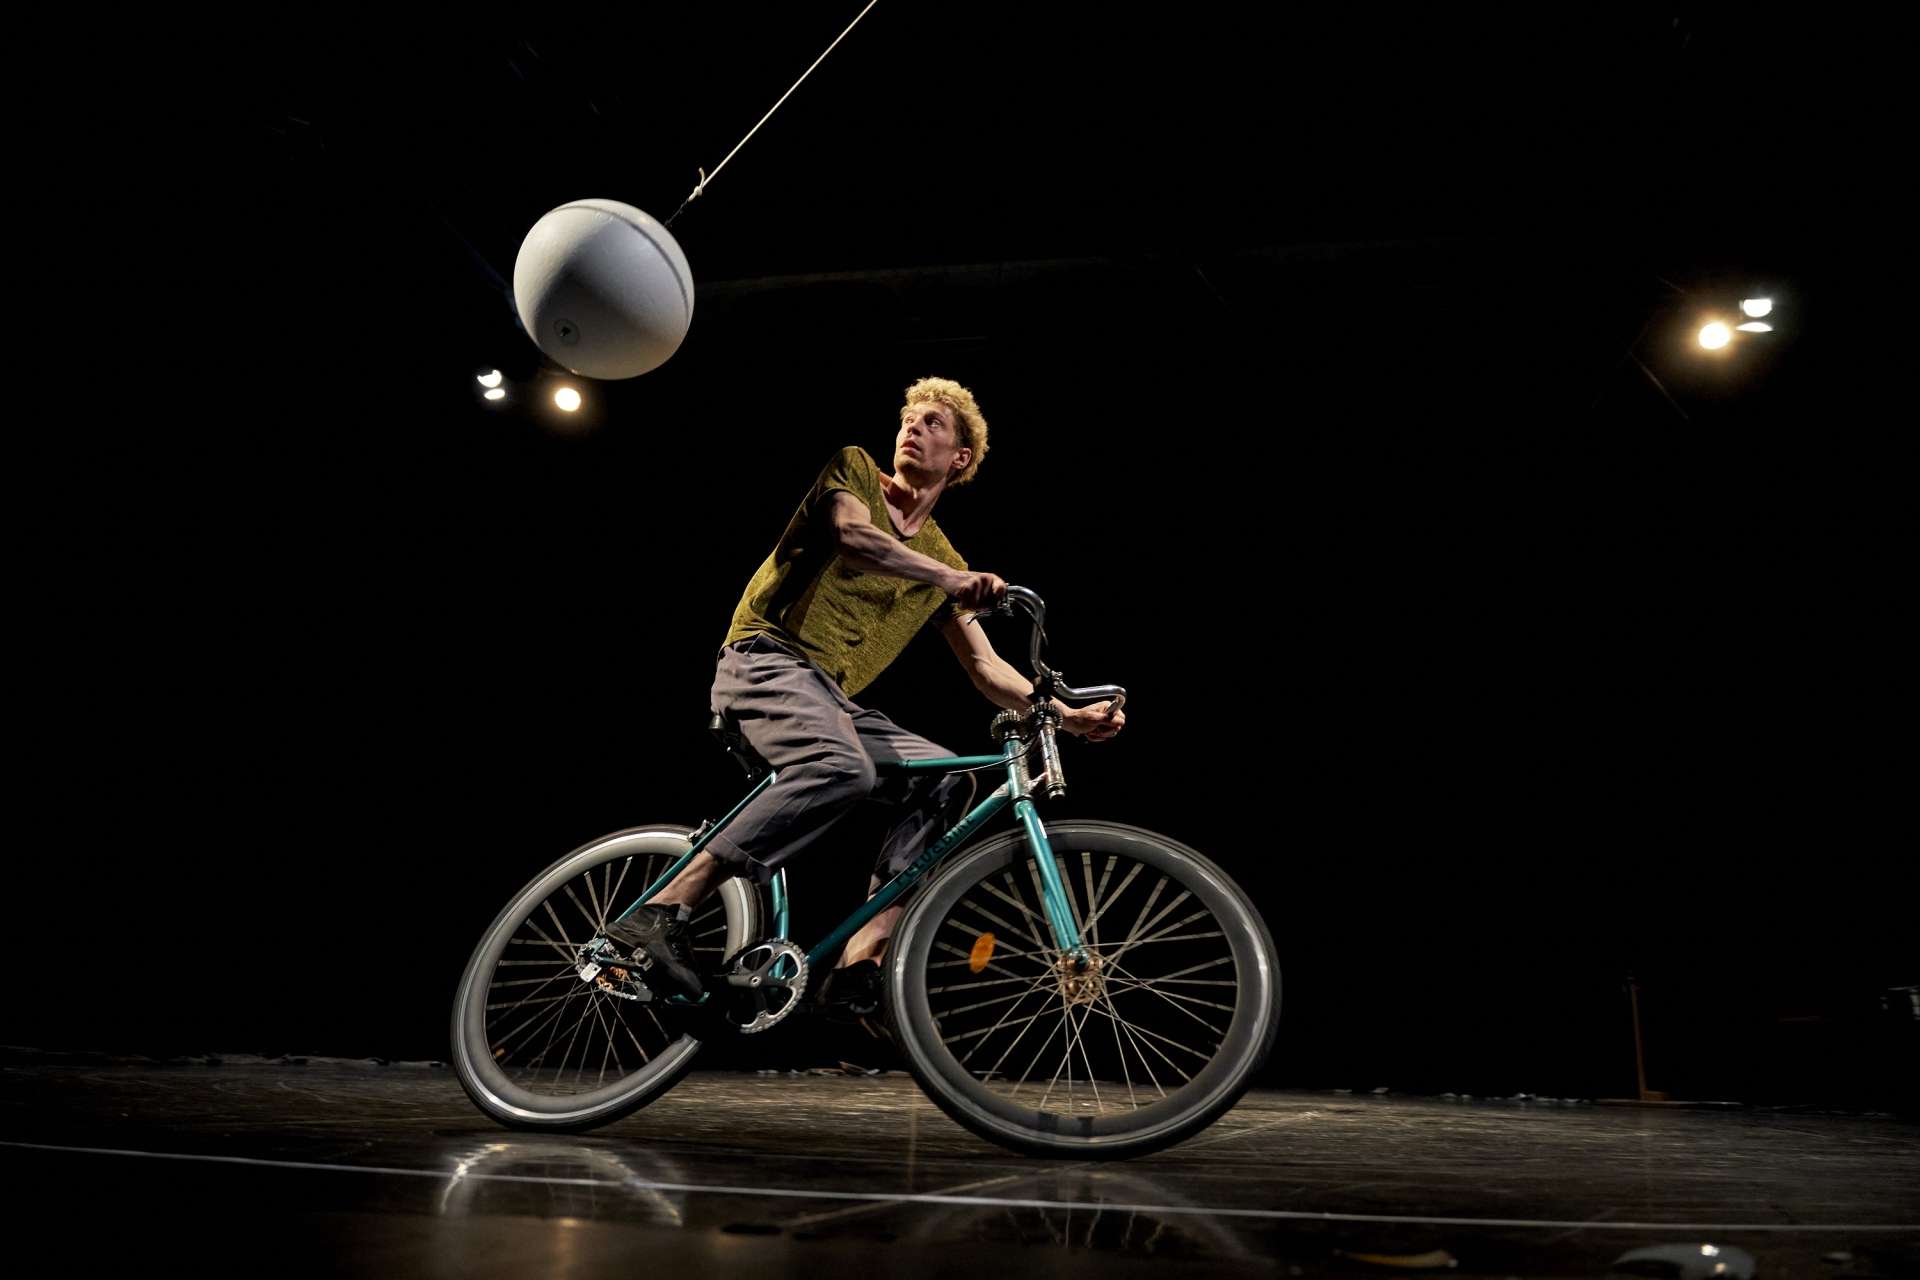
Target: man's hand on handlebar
[1096, 723]
[977, 590]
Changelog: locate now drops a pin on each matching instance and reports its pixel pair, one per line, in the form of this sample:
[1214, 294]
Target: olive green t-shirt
[849, 623]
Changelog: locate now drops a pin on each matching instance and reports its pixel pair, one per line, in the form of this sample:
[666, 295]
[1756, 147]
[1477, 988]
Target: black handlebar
[1046, 679]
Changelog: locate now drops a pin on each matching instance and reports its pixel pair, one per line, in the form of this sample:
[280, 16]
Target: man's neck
[911, 503]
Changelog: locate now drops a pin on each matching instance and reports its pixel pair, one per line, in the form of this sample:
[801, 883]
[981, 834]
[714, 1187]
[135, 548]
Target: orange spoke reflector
[982, 952]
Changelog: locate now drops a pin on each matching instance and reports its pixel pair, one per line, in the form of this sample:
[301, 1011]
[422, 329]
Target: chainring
[763, 985]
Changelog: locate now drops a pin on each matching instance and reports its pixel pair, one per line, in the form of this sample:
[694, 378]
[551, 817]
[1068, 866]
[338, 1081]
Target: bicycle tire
[492, 1066]
[932, 1024]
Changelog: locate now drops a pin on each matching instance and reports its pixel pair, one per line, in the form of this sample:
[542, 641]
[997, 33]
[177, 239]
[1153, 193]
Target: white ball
[603, 289]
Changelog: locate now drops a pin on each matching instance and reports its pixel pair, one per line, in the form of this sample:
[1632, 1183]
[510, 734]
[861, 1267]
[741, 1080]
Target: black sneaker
[657, 938]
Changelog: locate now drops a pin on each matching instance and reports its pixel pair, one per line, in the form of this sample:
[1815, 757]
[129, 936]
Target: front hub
[1080, 976]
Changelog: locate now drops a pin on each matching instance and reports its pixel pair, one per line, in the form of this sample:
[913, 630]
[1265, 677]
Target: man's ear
[961, 458]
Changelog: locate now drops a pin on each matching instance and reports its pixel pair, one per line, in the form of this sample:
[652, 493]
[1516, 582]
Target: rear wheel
[541, 1042]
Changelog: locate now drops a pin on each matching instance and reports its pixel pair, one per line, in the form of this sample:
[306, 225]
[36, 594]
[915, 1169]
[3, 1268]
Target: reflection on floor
[328, 1166]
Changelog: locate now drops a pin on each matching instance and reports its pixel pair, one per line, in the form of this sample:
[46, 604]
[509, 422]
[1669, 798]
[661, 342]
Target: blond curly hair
[967, 416]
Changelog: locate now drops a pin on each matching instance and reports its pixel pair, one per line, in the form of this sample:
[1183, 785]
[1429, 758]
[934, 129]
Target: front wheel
[538, 1043]
[1143, 1042]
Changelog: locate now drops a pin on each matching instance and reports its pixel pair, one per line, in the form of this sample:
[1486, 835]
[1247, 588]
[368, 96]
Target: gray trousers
[823, 747]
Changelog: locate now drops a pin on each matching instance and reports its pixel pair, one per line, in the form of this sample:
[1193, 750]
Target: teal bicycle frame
[1017, 790]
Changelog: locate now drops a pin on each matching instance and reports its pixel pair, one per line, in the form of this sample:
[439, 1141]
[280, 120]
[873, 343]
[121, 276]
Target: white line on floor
[991, 1202]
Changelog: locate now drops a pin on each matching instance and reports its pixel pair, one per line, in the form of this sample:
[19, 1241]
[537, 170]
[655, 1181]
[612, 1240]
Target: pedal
[617, 980]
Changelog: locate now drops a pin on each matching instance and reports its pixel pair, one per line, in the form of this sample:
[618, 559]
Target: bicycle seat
[729, 735]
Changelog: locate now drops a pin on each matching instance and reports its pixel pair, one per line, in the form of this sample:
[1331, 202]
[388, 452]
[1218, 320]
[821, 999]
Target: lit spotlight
[1755, 326]
[1757, 307]
[567, 398]
[1715, 336]
[496, 394]
[490, 379]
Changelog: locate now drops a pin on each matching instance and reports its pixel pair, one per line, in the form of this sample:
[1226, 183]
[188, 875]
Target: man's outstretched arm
[1005, 687]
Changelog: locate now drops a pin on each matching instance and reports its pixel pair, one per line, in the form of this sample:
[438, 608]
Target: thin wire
[699, 188]
[1661, 388]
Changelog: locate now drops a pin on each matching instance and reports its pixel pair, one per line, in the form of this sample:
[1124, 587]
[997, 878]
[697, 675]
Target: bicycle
[1129, 958]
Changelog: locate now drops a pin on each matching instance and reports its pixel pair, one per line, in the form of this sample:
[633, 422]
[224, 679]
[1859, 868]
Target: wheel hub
[1080, 977]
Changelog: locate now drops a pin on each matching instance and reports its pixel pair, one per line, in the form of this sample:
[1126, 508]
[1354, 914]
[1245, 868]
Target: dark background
[1344, 407]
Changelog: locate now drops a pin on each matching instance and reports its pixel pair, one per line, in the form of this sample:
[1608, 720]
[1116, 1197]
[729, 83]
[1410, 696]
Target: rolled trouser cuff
[738, 862]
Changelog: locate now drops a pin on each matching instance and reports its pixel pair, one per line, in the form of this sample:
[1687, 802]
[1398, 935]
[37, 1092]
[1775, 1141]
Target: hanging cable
[699, 188]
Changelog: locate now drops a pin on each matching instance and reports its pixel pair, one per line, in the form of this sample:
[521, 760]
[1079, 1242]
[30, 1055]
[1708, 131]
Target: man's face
[929, 444]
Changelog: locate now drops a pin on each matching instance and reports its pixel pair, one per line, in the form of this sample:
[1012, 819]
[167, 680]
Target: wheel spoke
[1177, 973]
[520, 982]
[1135, 984]
[1066, 1058]
[1120, 1051]
[1120, 891]
[553, 1029]
[1015, 1046]
[1093, 895]
[1169, 1041]
[613, 890]
[586, 913]
[1175, 937]
[1133, 1031]
[1025, 1024]
[1035, 1060]
[969, 1035]
[1164, 934]
[526, 1000]
[1146, 907]
[1113, 1020]
[540, 1030]
[966, 957]
[571, 1041]
[1218, 1034]
[600, 1016]
[1140, 929]
[966, 986]
[986, 1004]
[1035, 923]
[1035, 915]
[563, 976]
[990, 966]
[1007, 929]
[598, 918]
[558, 928]
[564, 947]
[502, 1047]
[639, 1048]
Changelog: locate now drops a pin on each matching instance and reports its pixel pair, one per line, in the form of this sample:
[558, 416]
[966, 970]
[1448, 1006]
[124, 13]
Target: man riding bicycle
[861, 567]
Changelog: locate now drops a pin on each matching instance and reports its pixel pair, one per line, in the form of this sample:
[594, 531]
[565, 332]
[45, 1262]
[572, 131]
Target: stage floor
[329, 1166]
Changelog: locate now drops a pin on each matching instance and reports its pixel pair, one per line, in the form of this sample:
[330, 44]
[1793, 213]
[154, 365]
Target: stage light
[1715, 335]
[496, 394]
[492, 379]
[567, 398]
[1755, 326]
[1756, 307]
